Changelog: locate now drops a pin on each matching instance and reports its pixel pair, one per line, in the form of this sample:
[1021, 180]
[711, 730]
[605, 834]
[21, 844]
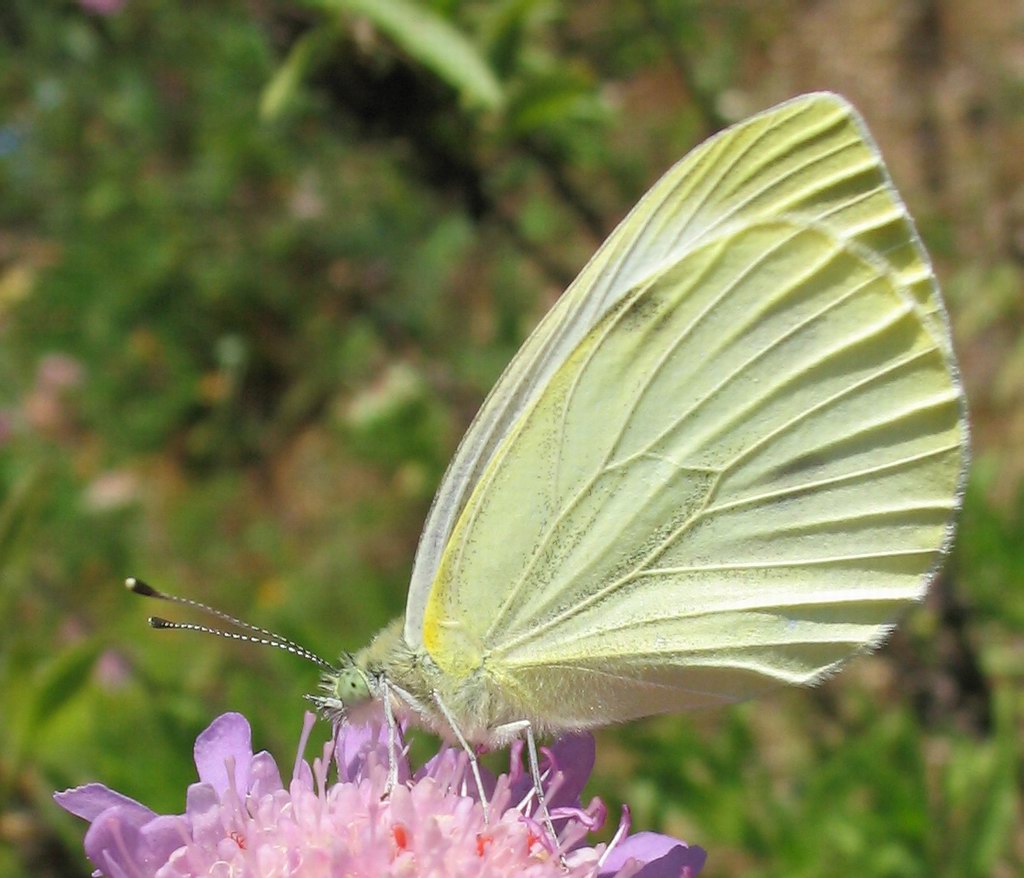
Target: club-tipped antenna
[286, 645]
[264, 637]
[139, 587]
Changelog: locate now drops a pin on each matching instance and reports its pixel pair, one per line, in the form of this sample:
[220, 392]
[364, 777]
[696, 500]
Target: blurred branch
[573, 198]
[969, 694]
[922, 52]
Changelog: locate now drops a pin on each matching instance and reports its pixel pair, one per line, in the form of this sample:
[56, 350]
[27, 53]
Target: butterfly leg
[389, 718]
[387, 690]
[474, 763]
[531, 750]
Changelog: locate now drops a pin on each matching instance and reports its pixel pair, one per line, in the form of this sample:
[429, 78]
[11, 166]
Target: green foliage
[431, 40]
[259, 263]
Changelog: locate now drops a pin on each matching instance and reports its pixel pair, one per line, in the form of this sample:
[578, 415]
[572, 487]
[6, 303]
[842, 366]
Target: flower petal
[574, 757]
[163, 836]
[354, 743]
[264, 776]
[450, 768]
[227, 737]
[571, 756]
[202, 810]
[92, 799]
[359, 747]
[240, 820]
[664, 856]
[116, 845]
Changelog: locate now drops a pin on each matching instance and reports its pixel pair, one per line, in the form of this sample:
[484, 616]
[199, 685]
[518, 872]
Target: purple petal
[303, 777]
[264, 777]
[664, 856]
[164, 835]
[515, 763]
[227, 737]
[680, 862]
[92, 799]
[202, 810]
[117, 846]
[353, 744]
[450, 762]
[574, 757]
[356, 745]
[442, 764]
[592, 817]
[308, 721]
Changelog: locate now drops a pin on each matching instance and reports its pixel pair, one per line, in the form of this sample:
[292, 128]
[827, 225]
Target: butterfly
[727, 459]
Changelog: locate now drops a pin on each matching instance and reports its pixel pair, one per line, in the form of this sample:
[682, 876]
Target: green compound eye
[350, 686]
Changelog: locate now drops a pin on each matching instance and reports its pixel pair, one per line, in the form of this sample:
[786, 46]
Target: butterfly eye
[349, 686]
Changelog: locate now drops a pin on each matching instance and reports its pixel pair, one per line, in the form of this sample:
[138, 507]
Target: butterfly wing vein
[729, 456]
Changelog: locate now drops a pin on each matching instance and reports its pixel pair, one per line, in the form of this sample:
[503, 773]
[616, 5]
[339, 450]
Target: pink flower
[102, 7]
[241, 820]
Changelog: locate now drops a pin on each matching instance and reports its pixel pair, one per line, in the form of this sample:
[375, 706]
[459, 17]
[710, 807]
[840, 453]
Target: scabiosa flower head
[241, 820]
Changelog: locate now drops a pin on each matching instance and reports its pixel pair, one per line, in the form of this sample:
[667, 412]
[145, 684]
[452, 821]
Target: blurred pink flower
[113, 489]
[47, 407]
[102, 7]
[113, 670]
[241, 820]
[58, 372]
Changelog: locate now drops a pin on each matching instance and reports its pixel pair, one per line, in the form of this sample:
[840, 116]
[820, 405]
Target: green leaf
[53, 686]
[433, 42]
[509, 34]
[18, 512]
[548, 101]
[303, 57]
[988, 806]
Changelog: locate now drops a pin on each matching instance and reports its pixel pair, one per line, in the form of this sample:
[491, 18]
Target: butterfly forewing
[810, 156]
[727, 458]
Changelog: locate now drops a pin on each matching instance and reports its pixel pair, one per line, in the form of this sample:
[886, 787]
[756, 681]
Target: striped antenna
[261, 636]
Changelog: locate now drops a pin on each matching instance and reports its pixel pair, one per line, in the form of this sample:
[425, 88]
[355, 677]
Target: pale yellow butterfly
[728, 458]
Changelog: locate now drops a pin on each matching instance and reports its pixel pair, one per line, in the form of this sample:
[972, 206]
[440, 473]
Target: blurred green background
[259, 263]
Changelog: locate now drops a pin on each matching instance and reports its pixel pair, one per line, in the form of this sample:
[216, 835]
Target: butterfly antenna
[263, 636]
[287, 646]
[139, 587]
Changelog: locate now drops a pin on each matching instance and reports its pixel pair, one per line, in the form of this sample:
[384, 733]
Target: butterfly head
[345, 689]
